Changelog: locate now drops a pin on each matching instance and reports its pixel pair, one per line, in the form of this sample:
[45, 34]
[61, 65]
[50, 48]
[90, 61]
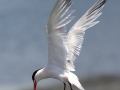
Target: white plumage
[62, 46]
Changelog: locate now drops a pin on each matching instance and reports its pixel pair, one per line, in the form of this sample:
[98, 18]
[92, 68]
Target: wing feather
[76, 34]
[56, 32]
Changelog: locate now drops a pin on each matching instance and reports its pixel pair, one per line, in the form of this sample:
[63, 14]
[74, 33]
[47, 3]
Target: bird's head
[35, 77]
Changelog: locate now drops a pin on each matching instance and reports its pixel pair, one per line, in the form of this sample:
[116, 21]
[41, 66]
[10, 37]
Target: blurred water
[23, 42]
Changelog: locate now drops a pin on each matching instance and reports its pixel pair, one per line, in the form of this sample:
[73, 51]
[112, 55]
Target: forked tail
[73, 79]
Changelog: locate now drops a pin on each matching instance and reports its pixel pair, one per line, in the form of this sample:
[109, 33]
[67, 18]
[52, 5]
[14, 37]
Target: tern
[62, 46]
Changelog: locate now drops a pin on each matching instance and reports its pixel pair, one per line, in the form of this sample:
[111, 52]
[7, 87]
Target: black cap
[33, 75]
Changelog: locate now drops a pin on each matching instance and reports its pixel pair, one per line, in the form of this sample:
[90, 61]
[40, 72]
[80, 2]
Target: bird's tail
[73, 79]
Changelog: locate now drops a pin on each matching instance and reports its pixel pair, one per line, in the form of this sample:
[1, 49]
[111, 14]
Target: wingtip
[105, 0]
[96, 6]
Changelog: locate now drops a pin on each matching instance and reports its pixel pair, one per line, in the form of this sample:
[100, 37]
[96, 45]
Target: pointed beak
[35, 85]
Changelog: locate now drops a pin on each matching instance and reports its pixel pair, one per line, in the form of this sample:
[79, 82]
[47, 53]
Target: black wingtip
[105, 0]
[68, 1]
[97, 5]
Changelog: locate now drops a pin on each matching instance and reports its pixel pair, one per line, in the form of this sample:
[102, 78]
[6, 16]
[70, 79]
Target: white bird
[62, 46]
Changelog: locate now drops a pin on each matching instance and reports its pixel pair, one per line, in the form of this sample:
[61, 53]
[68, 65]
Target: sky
[23, 42]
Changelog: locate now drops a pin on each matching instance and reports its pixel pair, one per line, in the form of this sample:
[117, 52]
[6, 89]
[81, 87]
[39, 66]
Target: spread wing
[76, 34]
[56, 33]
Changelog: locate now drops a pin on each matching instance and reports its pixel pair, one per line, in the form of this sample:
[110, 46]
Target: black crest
[33, 75]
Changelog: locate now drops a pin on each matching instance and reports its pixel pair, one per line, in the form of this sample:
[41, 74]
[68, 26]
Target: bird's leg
[70, 85]
[64, 85]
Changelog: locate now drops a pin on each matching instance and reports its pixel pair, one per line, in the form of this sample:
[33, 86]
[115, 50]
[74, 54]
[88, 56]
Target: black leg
[64, 85]
[70, 85]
